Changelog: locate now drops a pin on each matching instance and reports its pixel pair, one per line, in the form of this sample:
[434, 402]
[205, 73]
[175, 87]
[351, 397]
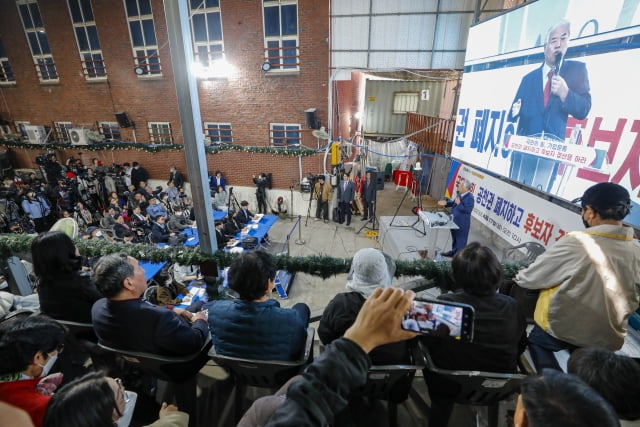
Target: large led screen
[551, 97]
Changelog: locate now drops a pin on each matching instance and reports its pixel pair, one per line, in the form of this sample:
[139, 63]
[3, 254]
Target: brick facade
[249, 100]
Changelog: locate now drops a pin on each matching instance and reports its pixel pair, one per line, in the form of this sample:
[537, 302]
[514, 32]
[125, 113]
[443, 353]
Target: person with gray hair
[544, 100]
[125, 321]
[461, 208]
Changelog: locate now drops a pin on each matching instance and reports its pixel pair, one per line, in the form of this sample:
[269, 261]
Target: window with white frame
[20, 127]
[405, 102]
[6, 73]
[284, 134]
[84, 27]
[143, 37]
[206, 31]
[281, 34]
[218, 133]
[160, 133]
[37, 38]
[110, 130]
[61, 131]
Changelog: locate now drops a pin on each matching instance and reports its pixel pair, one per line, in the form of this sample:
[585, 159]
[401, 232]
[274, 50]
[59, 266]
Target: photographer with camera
[52, 168]
[37, 209]
[261, 183]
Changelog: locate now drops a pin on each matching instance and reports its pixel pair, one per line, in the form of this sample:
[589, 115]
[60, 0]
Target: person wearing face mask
[110, 405]
[65, 291]
[589, 281]
[29, 347]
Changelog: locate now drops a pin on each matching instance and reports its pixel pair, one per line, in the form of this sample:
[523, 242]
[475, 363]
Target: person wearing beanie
[370, 269]
[589, 281]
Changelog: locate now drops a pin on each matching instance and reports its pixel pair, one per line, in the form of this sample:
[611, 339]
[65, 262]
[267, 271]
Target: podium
[433, 223]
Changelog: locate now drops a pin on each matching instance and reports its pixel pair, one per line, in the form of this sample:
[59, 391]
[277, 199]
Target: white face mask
[129, 406]
[48, 365]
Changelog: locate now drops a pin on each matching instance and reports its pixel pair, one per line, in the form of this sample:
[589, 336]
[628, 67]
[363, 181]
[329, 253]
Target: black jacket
[325, 388]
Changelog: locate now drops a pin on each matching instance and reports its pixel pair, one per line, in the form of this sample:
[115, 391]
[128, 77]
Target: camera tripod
[233, 201]
[372, 222]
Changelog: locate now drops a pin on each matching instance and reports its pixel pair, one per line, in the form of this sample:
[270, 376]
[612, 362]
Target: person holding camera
[52, 168]
[322, 193]
[261, 183]
[37, 209]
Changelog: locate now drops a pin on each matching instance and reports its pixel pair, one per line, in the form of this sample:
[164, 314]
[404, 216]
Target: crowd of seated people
[365, 320]
[91, 197]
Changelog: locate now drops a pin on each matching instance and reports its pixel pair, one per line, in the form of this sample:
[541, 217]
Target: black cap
[607, 196]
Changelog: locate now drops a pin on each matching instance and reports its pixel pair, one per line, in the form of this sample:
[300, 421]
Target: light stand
[312, 187]
[418, 168]
[373, 220]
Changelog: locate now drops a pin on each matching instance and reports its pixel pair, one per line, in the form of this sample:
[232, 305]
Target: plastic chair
[151, 294]
[270, 374]
[392, 383]
[514, 255]
[478, 388]
[178, 371]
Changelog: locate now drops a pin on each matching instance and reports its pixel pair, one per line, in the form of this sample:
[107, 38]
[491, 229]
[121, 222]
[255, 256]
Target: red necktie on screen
[547, 88]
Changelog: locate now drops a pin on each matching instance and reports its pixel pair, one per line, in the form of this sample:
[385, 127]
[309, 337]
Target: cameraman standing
[261, 192]
[52, 169]
[37, 208]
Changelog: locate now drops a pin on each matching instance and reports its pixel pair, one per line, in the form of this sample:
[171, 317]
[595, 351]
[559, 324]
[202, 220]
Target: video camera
[44, 158]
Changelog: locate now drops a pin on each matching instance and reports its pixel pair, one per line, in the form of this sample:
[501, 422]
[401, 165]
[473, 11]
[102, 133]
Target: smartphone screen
[440, 318]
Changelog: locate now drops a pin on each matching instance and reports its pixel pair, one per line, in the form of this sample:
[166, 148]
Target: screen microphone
[558, 63]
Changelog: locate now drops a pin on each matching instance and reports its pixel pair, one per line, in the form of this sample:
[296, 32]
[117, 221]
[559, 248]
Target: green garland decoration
[156, 148]
[322, 266]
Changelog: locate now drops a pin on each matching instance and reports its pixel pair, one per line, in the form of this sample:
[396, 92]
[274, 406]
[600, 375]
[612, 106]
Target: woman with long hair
[65, 291]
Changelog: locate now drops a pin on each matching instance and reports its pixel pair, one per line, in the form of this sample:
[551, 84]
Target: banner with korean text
[513, 214]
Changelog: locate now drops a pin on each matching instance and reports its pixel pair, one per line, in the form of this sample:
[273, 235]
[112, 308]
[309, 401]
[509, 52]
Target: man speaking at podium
[545, 99]
[462, 206]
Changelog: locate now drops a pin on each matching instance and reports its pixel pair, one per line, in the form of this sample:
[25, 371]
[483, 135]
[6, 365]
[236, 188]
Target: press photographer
[261, 183]
[52, 168]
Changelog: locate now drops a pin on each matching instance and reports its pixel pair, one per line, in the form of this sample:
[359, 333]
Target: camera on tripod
[44, 158]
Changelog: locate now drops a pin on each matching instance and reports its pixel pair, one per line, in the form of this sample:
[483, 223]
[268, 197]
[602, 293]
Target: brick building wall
[250, 99]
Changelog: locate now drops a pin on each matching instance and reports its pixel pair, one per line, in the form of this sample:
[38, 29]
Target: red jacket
[25, 395]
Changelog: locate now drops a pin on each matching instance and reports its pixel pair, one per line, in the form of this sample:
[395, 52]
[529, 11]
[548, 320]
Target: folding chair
[270, 374]
[392, 383]
[478, 388]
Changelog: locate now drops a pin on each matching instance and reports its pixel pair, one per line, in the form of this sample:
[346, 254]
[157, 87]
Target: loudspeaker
[123, 120]
[379, 180]
[311, 118]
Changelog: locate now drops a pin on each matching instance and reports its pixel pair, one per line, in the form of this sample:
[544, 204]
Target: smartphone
[440, 318]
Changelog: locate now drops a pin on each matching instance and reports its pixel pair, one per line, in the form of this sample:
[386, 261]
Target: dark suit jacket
[138, 175]
[243, 216]
[177, 178]
[462, 218]
[369, 190]
[348, 194]
[141, 326]
[535, 118]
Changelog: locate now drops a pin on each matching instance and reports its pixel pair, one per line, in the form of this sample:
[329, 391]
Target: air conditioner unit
[79, 136]
[36, 134]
